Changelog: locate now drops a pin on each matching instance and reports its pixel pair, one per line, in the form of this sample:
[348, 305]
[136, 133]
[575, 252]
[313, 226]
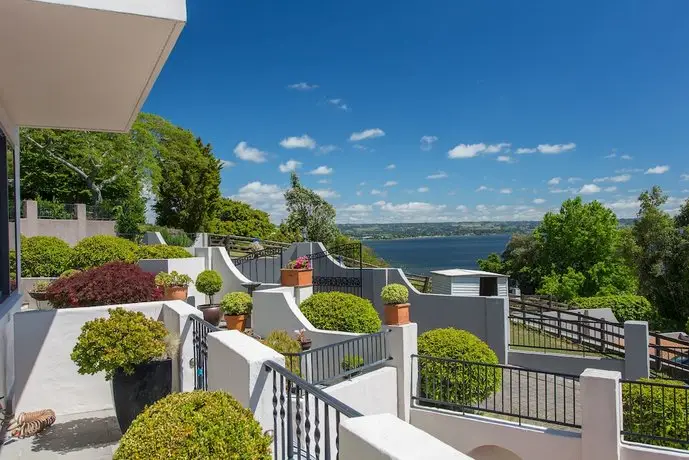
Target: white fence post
[601, 415]
[402, 344]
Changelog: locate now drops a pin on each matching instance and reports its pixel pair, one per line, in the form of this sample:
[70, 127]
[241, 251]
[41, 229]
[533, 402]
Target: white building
[458, 281]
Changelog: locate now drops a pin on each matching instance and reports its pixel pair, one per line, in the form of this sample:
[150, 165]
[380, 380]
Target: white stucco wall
[191, 266]
[8, 308]
[45, 375]
[632, 451]
[369, 393]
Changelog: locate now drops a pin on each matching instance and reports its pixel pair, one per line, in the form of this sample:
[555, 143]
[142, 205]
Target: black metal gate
[338, 269]
[262, 266]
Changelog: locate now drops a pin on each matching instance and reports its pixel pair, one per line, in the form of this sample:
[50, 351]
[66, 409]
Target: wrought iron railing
[60, 211]
[345, 275]
[200, 331]
[98, 212]
[536, 327]
[306, 420]
[507, 391]
[333, 363]
[669, 356]
[655, 413]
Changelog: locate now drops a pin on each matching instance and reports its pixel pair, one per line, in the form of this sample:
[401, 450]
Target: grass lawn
[533, 339]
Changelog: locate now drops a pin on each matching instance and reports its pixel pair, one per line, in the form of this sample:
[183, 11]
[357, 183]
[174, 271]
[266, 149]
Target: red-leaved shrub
[110, 284]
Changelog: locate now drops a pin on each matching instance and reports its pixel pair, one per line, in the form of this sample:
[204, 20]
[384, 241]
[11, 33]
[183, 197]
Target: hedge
[456, 383]
[655, 411]
[162, 251]
[97, 250]
[198, 424]
[337, 311]
[44, 256]
[625, 307]
[282, 342]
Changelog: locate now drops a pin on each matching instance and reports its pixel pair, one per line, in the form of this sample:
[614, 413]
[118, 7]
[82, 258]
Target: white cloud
[438, 175]
[362, 147]
[610, 189]
[302, 86]
[618, 179]
[522, 151]
[481, 208]
[588, 189]
[626, 157]
[611, 155]
[390, 166]
[390, 183]
[289, 166]
[422, 189]
[321, 171]
[658, 170]
[379, 203]
[326, 193]
[684, 177]
[339, 103]
[538, 201]
[367, 134]
[359, 193]
[505, 159]
[323, 181]
[246, 153]
[226, 164]
[506, 191]
[325, 149]
[298, 142]
[628, 170]
[497, 148]
[563, 190]
[427, 142]
[572, 180]
[483, 188]
[554, 181]
[357, 208]
[462, 208]
[556, 148]
[377, 192]
[412, 207]
[466, 150]
[267, 197]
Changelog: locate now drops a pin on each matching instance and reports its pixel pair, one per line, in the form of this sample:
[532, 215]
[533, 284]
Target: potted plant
[304, 341]
[298, 273]
[175, 285]
[349, 363]
[396, 298]
[39, 291]
[209, 282]
[236, 306]
[135, 353]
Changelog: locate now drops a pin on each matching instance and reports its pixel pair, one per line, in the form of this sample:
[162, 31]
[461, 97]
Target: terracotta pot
[235, 322]
[299, 277]
[396, 314]
[176, 293]
[211, 313]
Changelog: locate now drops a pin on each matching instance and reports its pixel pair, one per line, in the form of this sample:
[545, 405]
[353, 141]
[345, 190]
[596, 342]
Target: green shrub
[625, 307]
[394, 293]
[236, 303]
[162, 251]
[351, 362]
[98, 250]
[44, 256]
[458, 383]
[209, 282]
[282, 342]
[69, 272]
[195, 425]
[172, 279]
[122, 341]
[336, 311]
[655, 411]
[41, 286]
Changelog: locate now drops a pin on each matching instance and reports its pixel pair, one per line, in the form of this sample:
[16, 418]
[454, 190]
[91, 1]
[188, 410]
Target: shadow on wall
[493, 453]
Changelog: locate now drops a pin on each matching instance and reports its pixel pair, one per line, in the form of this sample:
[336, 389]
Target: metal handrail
[200, 330]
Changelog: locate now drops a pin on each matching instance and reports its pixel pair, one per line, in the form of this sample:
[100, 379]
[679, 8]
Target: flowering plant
[302, 263]
[300, 334]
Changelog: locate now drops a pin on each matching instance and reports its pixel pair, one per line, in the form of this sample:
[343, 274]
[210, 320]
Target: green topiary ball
[236, 303]
[196, 425]
[98, 250]
[44, 256]
[337, 311]
[209, 282]
[394, 294]
[458, 383]
[162, 251]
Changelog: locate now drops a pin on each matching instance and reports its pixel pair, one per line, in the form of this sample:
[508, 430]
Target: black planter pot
[132, 393]
[211, 313]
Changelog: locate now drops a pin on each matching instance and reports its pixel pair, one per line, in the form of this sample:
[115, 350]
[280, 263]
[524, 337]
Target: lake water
[421, 255]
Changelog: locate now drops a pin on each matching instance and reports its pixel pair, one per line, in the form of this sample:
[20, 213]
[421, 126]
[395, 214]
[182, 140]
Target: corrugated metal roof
[465, 272]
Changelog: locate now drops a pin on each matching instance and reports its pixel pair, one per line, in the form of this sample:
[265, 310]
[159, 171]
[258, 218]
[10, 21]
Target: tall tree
[237, 218]
[309, 214]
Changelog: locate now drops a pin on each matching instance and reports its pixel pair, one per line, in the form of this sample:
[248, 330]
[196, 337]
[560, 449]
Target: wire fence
[59, 211]
[506, 392]
[98, 212]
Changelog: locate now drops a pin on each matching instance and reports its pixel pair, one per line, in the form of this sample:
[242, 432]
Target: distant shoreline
[363, 240]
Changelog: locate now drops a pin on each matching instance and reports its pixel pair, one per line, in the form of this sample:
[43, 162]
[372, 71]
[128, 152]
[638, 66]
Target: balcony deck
[85, 436]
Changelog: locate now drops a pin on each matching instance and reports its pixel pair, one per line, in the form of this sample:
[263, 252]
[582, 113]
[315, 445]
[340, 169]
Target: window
[9, 219]
[488, 287]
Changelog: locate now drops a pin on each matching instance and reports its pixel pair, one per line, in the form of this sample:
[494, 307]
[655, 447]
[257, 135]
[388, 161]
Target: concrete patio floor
[85, 436]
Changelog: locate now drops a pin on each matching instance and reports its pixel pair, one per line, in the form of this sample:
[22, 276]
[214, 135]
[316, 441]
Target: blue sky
[441, 110]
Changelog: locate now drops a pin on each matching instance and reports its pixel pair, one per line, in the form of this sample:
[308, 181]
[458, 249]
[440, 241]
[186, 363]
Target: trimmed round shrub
[111, 284]
[162, 251]
[198, 424]
[44, 256]
[625, 307]
[209, 282]
[337, 311]
[282, 342]
[122, 341]
[655, 411]
[464, 382]
[98, 250]
[236, 303]
[394, 293]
